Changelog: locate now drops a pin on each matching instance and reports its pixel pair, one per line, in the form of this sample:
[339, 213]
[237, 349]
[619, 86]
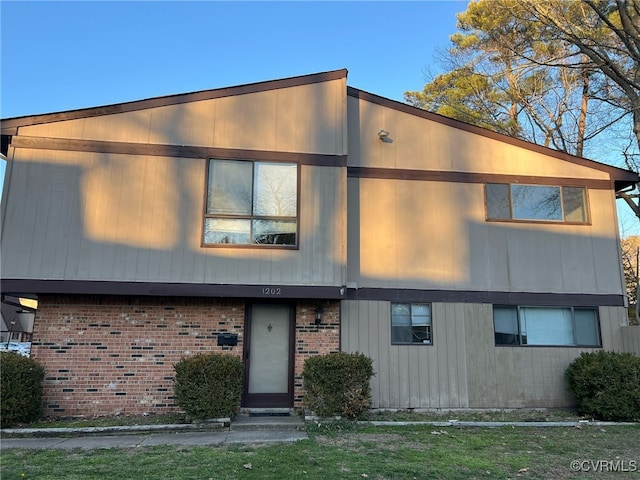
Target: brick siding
[115, 355]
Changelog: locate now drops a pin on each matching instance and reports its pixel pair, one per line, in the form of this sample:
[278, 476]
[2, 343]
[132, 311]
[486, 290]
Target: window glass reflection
[536, 203]
[533, 202]
[251, 203]
[275, 190]
[229, 189]
[273, 232]
[574, 204]
[498, 205]
[226, 231]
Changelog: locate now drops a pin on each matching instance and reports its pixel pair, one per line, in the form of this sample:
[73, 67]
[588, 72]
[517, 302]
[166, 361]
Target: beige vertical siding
[631, 339]
[410, 376]
[418, 143]
[125, 217]
[90, 216]
[307, 118]
[463, 368]
[516, 377]
[612, 319]
[434, 235]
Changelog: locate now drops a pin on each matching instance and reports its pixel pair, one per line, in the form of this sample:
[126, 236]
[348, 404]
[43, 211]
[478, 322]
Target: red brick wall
[314, 340]
[115, 355]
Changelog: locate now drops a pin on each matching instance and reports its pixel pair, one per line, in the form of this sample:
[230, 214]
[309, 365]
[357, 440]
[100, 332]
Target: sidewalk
[243, 429]
[152, 439]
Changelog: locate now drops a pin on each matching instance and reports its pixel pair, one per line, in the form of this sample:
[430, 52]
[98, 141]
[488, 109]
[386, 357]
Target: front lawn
[339, 452]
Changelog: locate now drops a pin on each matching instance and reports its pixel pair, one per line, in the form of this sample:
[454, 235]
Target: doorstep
[266, 421]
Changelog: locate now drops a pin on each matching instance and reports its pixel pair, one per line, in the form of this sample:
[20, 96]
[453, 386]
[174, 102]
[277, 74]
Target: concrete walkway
[152, 439]
[244, 430]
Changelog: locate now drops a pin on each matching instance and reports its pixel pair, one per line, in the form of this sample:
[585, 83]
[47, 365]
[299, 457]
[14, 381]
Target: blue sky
[67, 55]
[57, 56]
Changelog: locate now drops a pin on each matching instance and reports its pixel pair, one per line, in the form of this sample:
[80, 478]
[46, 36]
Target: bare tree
[630, 247]
[605, 38]
[555, 72]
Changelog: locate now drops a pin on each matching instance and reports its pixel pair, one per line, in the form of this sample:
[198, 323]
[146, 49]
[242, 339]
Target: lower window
[546, 326]
[411, 323]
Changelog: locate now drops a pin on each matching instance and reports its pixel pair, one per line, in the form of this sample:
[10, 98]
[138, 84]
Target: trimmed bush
[338, 384]
[209, 385]
[606, 385]
[21, 389]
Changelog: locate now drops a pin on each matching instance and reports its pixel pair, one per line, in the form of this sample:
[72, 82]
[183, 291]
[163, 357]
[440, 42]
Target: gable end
[622, 179]
[10, 125]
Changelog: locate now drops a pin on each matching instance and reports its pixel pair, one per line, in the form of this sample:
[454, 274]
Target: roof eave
[620, 185]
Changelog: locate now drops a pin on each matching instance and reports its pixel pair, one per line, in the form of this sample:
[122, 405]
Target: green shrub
[338, 384]
[606, 385]
[21, 389]
[209, 386]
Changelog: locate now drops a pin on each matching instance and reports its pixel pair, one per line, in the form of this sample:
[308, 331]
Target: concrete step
[245, 421]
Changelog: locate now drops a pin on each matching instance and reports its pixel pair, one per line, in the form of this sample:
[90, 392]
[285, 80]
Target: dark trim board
[317, 159]
[180, 151]
[88, 287]
[496, 298]
[471, 177]
[284, 292]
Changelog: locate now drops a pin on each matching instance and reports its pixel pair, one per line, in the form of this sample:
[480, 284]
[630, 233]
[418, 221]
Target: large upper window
[251, 203]
[536, 203]
[546, 326]
[411, 323]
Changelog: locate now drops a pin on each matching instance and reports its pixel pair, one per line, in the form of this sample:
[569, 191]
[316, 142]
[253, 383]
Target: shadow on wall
[100, 216]
[444, 242]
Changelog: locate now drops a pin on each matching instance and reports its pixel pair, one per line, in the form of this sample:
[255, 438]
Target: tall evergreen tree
[556, 73]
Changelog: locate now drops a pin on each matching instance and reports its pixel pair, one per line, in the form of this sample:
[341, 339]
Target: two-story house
[296, 217]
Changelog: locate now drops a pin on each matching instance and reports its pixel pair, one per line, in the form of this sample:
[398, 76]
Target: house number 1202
[271, 291]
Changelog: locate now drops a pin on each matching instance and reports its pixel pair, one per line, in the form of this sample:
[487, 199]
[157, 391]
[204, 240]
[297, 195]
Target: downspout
[636, 309]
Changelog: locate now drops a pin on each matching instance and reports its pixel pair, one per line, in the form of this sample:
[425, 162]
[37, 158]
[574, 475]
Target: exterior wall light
[319, 312]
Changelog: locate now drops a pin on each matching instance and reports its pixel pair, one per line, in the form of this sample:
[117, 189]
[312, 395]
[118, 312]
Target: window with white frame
[251, 203]
[411, 323]
[548, 326]
[536, 203]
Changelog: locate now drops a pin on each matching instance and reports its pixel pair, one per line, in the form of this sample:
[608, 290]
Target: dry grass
[357, 451]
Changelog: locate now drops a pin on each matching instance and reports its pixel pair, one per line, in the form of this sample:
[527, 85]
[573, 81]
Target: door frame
[268, 400]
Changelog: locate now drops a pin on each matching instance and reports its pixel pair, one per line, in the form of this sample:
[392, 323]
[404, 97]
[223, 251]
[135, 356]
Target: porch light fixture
[382, 134]
[319, 312]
